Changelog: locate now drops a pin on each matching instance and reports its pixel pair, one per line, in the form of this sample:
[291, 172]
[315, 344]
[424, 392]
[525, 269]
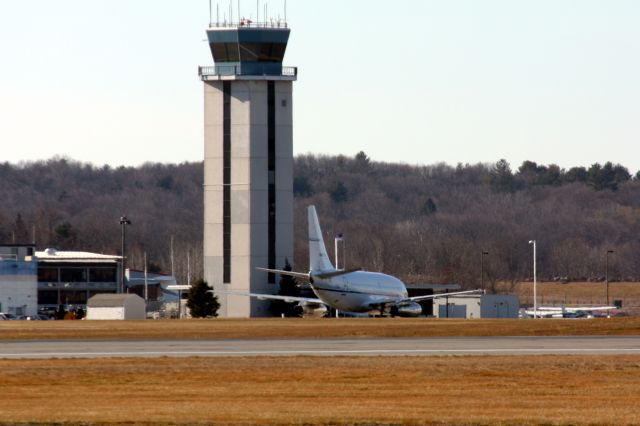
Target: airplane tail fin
[318, 258]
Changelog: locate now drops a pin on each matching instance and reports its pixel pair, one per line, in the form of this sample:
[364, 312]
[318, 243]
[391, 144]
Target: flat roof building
[72, 277]
[18, 279]
[477, 306]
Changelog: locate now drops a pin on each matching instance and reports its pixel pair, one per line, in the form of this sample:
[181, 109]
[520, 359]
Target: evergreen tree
[576, 174]
[302, 187]
[201, 301]
[602, 177]
[64, 236]
[429, 207]
[338, 192]
[362, 161]
[288, 287]
[501, 177]
[20, 232]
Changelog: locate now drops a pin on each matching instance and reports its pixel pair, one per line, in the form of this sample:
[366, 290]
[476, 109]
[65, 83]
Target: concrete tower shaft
[248, 188]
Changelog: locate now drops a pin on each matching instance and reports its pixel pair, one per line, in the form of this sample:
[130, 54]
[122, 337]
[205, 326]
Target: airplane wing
[436, 296]
[288, 299]
[560, 309]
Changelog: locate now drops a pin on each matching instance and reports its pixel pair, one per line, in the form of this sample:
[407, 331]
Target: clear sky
[420, 82]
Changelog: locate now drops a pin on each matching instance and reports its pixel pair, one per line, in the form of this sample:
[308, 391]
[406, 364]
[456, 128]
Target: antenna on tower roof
[285, 12]
[210, 18]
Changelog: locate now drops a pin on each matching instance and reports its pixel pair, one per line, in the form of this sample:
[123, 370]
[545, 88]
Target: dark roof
[109, 300]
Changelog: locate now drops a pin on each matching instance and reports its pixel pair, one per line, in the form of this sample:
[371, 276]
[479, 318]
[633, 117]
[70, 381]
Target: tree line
[70, 205]
[426, 223]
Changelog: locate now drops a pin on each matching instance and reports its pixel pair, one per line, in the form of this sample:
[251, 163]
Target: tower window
[271, 131]
[226, 184]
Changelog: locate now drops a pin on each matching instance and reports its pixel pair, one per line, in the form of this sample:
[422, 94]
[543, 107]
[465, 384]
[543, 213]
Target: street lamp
[606, 272]
[482, 269]
[535, 281]
[123, 222]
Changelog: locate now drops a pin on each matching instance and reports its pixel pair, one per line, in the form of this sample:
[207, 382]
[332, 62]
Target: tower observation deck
[248, 185]
[248, 51]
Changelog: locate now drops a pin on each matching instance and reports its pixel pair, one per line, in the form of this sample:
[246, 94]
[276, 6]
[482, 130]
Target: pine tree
[201, 301]
[288, 287]
[20, 232]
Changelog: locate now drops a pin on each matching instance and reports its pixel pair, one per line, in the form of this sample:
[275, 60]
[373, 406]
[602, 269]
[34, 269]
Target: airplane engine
[410, 309]
[315, 310]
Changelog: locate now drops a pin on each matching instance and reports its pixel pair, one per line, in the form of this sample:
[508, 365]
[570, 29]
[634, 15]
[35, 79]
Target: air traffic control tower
[248, 165]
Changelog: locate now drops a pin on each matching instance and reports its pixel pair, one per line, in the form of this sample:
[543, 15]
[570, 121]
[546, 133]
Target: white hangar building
[477, 306]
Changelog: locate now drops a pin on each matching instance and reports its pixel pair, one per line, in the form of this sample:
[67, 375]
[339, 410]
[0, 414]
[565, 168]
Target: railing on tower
[229, 70]
[248, 23]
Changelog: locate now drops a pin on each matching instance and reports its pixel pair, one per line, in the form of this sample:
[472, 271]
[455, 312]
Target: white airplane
[350, 290]
[567, 311]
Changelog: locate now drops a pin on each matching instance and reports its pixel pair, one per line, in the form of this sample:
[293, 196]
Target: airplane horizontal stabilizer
[303, 275]
[332, 274]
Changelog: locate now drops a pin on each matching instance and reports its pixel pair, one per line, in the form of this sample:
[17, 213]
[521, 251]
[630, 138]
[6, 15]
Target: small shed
[478, 306]
[116, 307]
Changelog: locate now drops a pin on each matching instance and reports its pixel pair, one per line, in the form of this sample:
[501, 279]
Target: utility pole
[123, 223]
[146, 285]
[482, 269]
[535, 281]
[606, 272]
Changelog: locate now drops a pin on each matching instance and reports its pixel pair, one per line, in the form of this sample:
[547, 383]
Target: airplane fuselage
[359, 291]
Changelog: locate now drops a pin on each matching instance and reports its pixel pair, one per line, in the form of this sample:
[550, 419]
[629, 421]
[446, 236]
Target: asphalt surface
[574, 345]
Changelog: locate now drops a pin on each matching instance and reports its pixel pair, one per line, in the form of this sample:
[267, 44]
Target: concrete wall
[249, 191]
[105, 313]
[135, 308]
[500, 306]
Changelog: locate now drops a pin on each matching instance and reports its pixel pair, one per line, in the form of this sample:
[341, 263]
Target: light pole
[482, 269]
[606, 272]
[123, 223]
[535, 281]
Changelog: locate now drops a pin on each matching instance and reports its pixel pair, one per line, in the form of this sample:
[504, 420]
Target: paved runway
[324, 347]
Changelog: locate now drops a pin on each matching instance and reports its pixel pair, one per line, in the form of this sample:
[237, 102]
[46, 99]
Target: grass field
[334, 390]
[313, 328]
[577, 293]
[469, 390]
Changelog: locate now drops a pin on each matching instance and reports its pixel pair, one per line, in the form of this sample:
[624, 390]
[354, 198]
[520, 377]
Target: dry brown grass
[312, 328]
[577, 293]
[312, 390]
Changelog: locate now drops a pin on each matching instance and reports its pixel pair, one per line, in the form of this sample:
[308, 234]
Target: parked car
[36, 317]
[5, 316]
